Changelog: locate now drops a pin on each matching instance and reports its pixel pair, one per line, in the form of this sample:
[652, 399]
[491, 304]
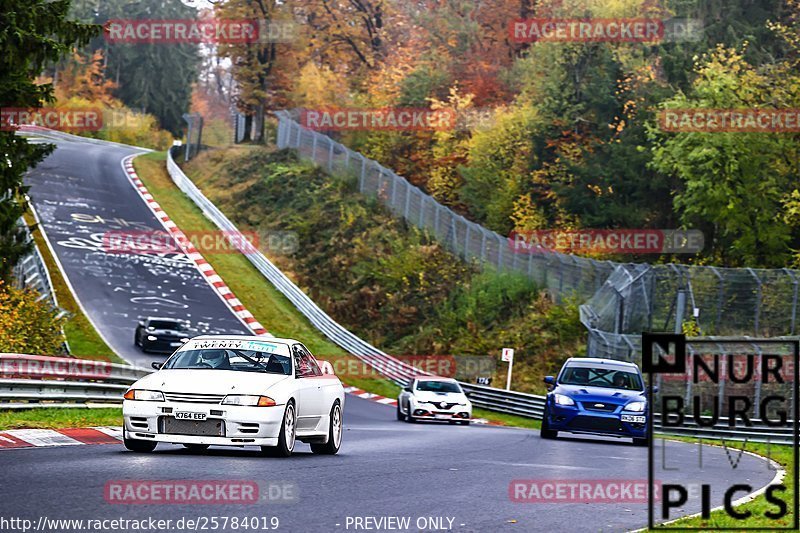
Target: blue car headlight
[563, 400]
[636, 407]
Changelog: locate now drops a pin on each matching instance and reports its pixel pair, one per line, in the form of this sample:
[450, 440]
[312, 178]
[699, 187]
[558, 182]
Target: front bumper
[228, 425]
[161, 345]
[575, 419]
[428, 411]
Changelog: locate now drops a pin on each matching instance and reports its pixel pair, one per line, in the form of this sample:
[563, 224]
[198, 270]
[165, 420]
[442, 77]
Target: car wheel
[196, 447]
[640, 442]
[546, 432]
[409, 417]
[286, 436]
[465, 422]
[400, 415]
[334, 433]
[136, 341]
[141, 446]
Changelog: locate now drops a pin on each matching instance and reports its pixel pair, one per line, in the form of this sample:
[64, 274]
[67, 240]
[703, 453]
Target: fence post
[794, 299]
[330, 156]
[408, 199]
[499, 254]
[363, 173]
[466, 239]
[279, 139]
[757, 310]
[299, 136]
[314, 147]
[422, 203]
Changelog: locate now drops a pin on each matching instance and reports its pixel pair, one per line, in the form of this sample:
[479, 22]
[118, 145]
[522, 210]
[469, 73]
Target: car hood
[449, 397]
[209, 381]
[582, 393]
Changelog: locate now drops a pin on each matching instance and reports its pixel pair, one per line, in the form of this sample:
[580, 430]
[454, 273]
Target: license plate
[636, 419]
[188, 415]
[441, 417]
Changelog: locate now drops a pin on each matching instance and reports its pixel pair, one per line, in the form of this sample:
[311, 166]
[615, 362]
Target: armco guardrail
[42, 381]
[503, 401]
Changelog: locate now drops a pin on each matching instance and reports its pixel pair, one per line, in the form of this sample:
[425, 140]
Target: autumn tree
[254, 63]
[35, 33]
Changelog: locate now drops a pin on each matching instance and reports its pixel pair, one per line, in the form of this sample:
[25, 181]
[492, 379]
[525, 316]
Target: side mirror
[326, 367]
[550, 380]
[655, 389]
[407, 388]
[156, 365]
[468, 393]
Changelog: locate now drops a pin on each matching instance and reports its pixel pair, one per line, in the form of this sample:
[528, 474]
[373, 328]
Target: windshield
[166, 324]
[438, 386]
[601, 377]
[231, 359]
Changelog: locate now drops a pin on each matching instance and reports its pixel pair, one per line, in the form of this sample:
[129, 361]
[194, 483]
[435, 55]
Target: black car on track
[161, 335]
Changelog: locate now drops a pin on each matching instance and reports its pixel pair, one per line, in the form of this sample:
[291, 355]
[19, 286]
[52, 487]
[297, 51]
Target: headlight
[144, 395]
[248, 400]
[563, 400]
[636, 407]
[152, 338]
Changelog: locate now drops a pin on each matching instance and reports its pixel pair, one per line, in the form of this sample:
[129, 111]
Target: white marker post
[508, 357]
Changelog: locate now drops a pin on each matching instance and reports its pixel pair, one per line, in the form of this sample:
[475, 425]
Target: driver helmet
[215, 358]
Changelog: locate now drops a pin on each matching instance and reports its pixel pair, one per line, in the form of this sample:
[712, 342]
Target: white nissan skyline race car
[236, 391]
[434, 398]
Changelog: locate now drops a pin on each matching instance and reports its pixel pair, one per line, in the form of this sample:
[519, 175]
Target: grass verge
[54, 418]
[782, 454]
[83, 339]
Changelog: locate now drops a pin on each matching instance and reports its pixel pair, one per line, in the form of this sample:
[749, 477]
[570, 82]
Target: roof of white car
[244, 338]
[600, 361]
[433, 378]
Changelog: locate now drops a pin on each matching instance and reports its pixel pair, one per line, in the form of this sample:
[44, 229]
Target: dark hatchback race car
[597, 397]
[161, 335]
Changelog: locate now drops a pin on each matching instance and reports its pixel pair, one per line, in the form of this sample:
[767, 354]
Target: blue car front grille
[599, 406]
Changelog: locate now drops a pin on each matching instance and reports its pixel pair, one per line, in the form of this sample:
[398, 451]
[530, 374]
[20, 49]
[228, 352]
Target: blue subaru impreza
[598, 397]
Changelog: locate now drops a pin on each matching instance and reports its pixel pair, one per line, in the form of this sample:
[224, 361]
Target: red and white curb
[38, 438]
[355, 391]
[213, 279]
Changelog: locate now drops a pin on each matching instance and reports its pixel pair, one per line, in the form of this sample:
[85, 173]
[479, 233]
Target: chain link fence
[620, 299]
